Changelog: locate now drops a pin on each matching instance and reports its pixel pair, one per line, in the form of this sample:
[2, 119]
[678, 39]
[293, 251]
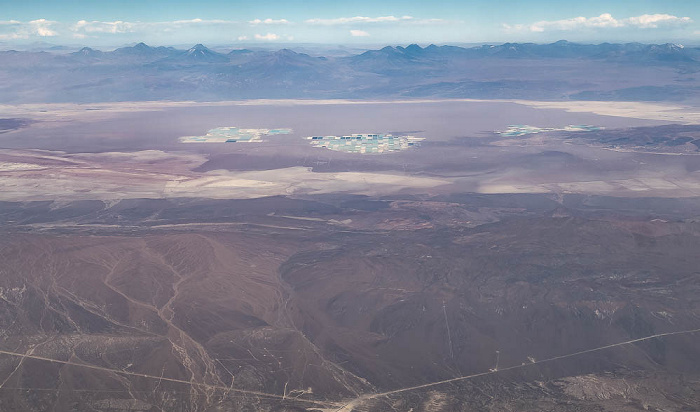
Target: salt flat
[71, 151]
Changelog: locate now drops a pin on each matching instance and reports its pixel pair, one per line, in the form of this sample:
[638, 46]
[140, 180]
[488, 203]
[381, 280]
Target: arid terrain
[552, 271]
[274, 303]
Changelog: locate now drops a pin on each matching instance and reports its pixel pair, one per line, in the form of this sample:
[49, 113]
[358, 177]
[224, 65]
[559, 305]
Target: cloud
[241, 38]
[103, 27]
[654, 20]
[13, 29]
[269, 21]
[359, 33]
[272, 37]
[359, 19]
[12, 36]
[120, 27]
[267, 37]
[604, 21]
[42, 28]
[190, 21]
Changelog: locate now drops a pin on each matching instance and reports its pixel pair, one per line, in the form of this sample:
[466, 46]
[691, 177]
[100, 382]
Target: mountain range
[560, 70]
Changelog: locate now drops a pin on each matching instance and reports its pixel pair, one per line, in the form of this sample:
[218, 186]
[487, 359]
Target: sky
[232, 22]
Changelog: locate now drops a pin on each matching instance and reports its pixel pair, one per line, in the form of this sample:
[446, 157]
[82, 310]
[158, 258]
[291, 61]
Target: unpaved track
[354, 402]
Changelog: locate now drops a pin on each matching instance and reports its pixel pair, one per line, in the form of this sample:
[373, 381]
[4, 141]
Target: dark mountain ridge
[196, 55]
[560, 70]
[562, 49]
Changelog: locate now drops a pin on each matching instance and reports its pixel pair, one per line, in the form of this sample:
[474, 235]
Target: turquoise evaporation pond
[368, 143]
[233, 135]
[522, 129]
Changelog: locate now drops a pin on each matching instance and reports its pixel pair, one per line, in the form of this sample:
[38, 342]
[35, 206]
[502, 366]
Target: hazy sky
[163, 22]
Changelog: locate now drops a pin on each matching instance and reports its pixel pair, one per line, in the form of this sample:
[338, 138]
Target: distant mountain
[397, 58]
[241, 55]
[45, 46]
[629, 52]
[388, 55]
[285, 59]
[648, 53]
[560, 70]
[393, 58]
[142, 50]
[285, 68]
[560, 49]
[400, 59]
[87, 52]
[446, 51]
[198, 54]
